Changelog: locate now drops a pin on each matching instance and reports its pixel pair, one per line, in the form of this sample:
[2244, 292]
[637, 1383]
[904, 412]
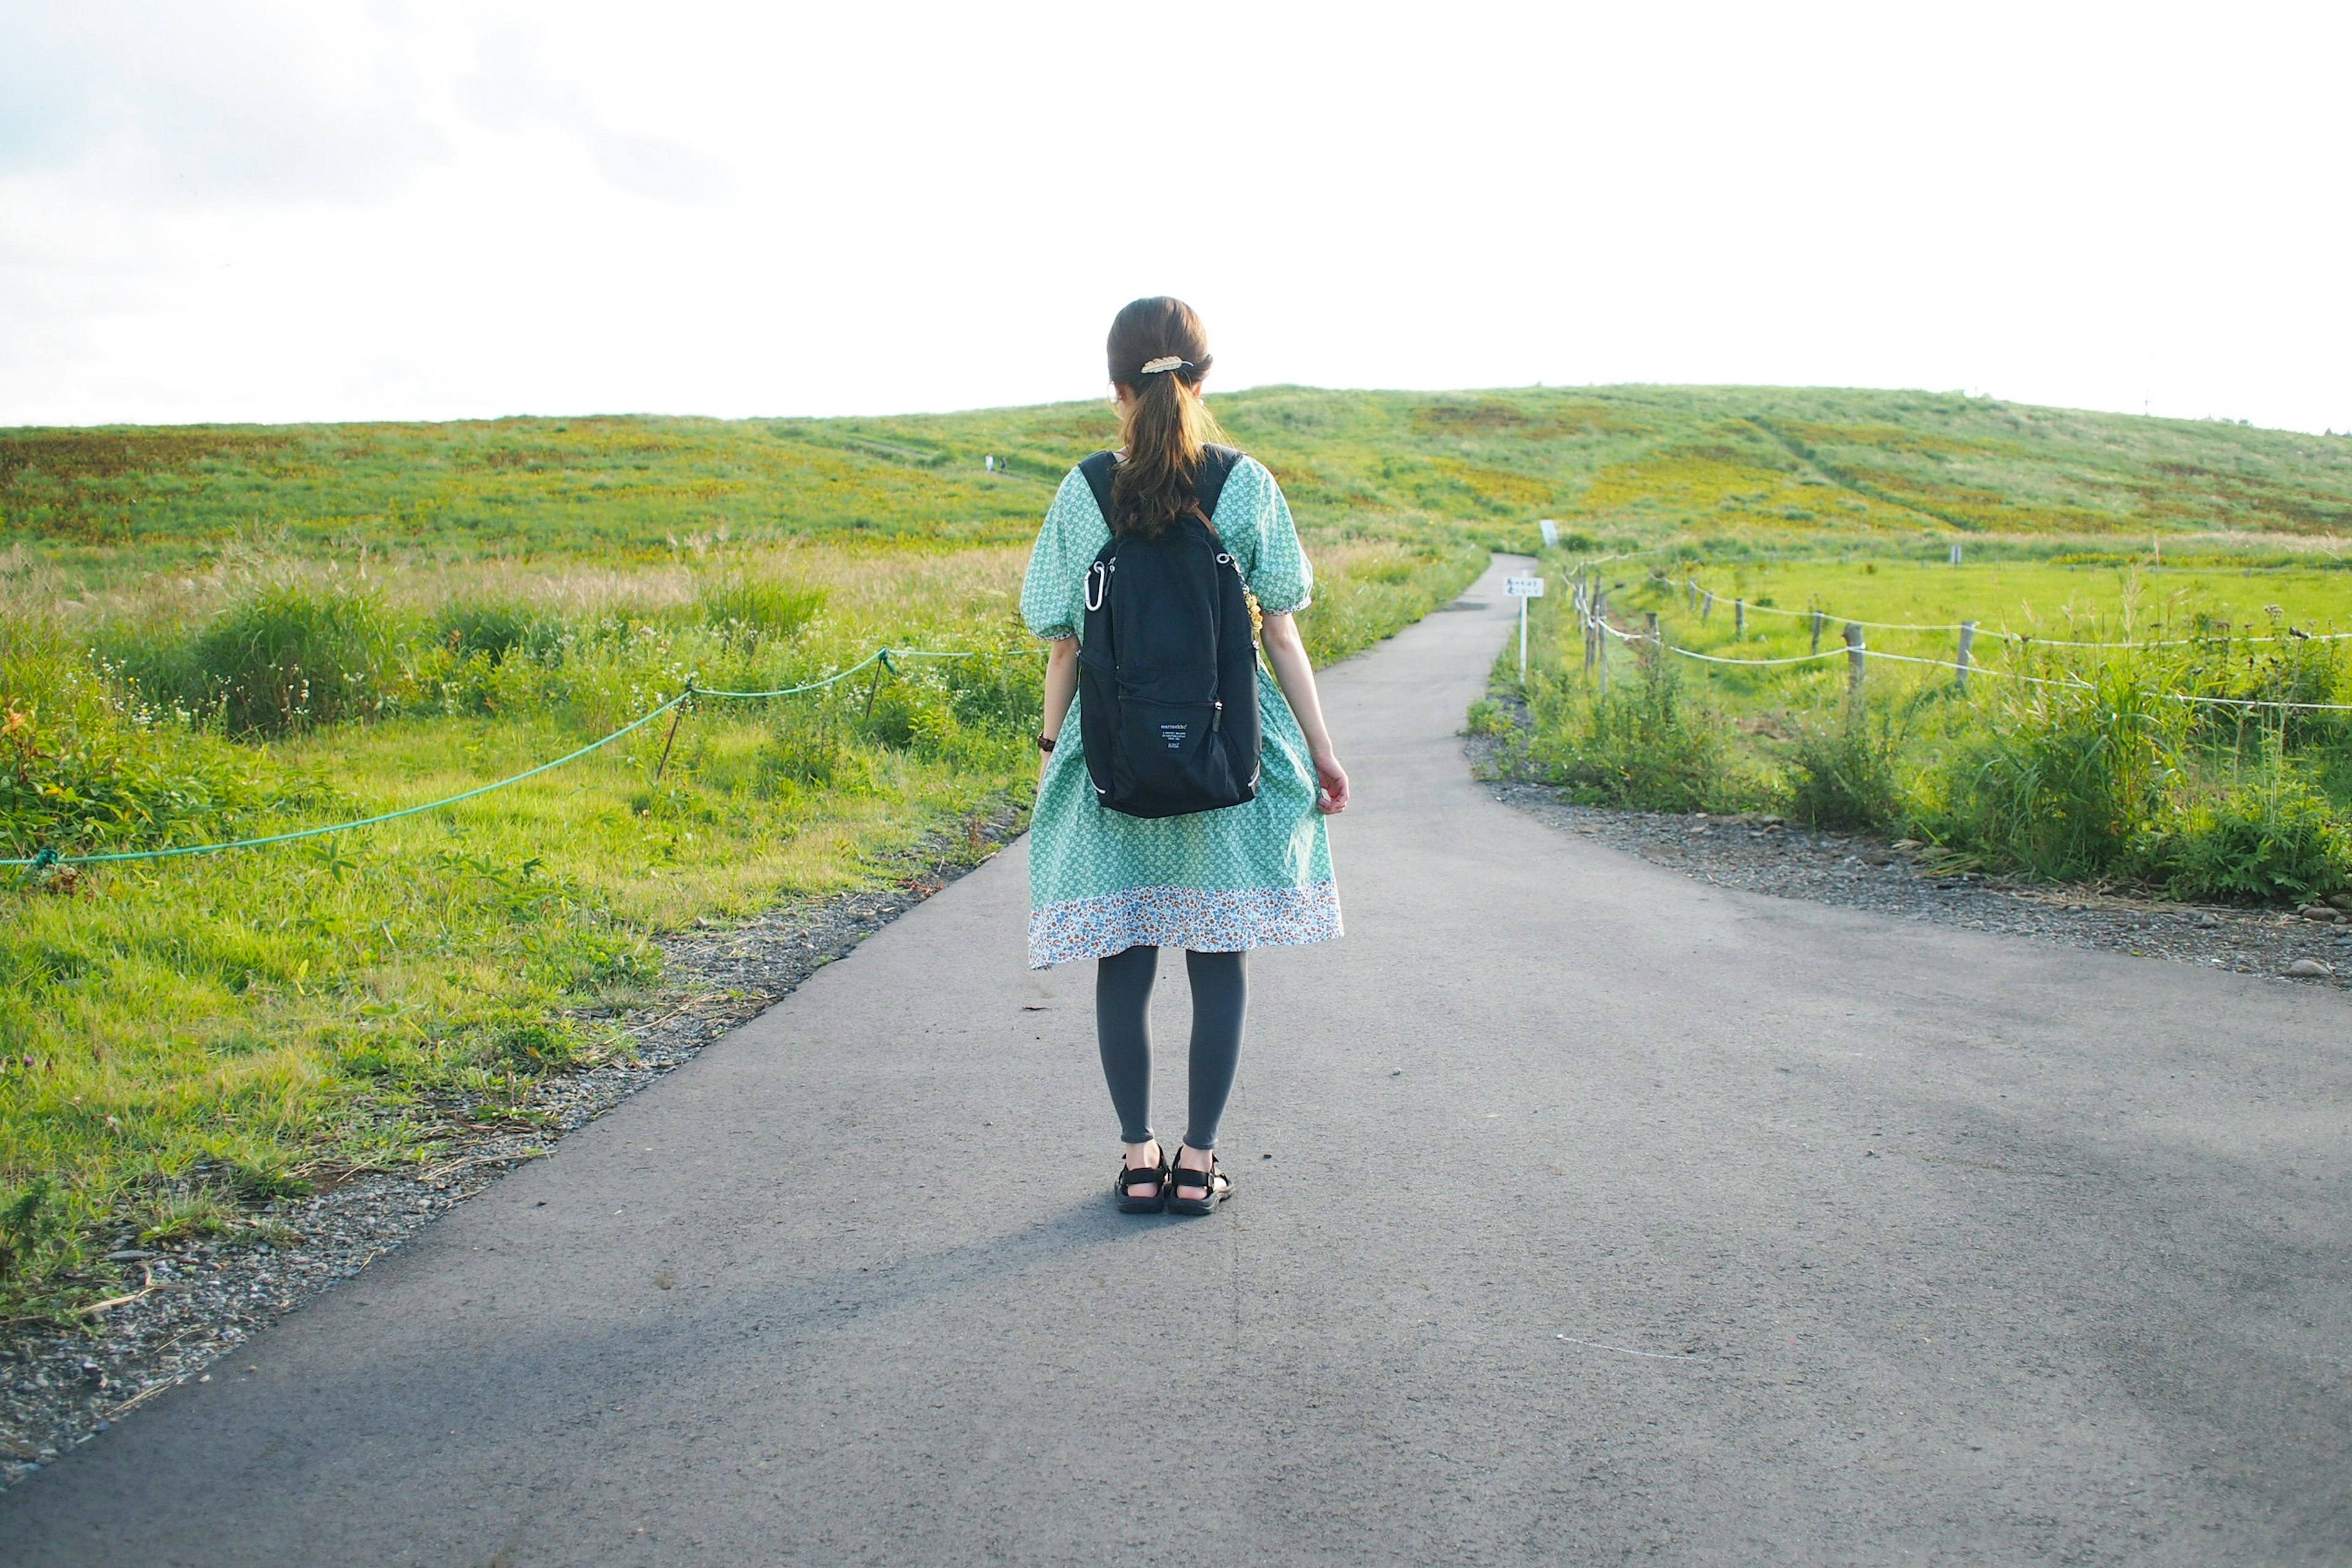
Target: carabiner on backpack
[1098, 585]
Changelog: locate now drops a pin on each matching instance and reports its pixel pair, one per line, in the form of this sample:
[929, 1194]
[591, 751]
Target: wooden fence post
[1600, 638]
[1968, 636]
[1855, 658]
[1738, 620]
[1705, 604]
[1817, 631]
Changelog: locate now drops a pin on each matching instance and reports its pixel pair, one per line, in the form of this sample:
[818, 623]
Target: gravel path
[197, 1303]
[1759, 853]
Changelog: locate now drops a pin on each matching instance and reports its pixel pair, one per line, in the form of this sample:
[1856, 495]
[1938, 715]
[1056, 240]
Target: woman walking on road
[1171, 864]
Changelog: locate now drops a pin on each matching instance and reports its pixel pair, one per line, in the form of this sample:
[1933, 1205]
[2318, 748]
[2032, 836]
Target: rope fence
[1590, 609]
[45, 858]
[1740, 608]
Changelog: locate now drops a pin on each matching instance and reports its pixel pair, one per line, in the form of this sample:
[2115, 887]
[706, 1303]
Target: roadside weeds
[1760, 853]
[194, 1302]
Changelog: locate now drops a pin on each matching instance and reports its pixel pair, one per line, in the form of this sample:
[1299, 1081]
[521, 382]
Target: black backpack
[1167, 664]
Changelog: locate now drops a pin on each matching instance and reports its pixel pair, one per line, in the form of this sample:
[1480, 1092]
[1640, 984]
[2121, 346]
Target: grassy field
[207, 632]
[2184, 728]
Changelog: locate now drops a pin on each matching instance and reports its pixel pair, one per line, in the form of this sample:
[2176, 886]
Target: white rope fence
[1591, 610]
[1705, 599]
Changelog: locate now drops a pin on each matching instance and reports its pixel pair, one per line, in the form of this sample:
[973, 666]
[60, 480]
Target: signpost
[1522, 589]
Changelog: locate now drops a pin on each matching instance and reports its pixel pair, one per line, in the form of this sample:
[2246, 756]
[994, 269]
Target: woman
[1117, 889]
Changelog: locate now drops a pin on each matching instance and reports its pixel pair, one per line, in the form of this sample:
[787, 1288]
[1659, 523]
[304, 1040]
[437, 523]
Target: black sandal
[1137, 1176]
[1213, 1184]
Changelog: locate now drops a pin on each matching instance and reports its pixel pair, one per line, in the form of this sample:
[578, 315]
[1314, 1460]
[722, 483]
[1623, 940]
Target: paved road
[1586, 1214]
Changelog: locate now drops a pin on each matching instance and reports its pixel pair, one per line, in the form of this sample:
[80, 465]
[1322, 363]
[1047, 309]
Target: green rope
[796, 690]
[45, 858]
[883, 656]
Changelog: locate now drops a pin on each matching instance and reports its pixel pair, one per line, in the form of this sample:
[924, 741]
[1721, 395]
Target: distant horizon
[1213, 392]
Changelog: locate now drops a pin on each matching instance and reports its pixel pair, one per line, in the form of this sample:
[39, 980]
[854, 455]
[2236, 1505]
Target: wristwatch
[1045, 743]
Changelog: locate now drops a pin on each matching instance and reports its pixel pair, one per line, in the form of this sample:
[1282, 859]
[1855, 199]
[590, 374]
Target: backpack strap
[1099, 471]
[1217, 464]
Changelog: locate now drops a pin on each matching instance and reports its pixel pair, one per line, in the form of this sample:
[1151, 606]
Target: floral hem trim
[1203, 919]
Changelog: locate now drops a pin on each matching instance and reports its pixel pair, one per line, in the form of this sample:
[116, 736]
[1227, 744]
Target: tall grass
[1649, 742]
[182, 1040]
[1367, 589]
[2060, 778]
[1845, 771]
[2144, 765]
[748, 610]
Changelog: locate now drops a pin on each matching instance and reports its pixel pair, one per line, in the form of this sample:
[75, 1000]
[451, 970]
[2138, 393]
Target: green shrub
[484, 627]
[1489, 720]
[263, 1178]
[528, 1044]
[1845, 773]
[747, 611]
[39, 1242]
[2296, 670]
[805, 753]
[1647, 746]
[295, 655]
[79, 790]
[82, 770]
[2276, 840]
[178, 1213]
[900, 714]
[2062, 777]
[465, 683]
[1005, 693]
[33, 1226]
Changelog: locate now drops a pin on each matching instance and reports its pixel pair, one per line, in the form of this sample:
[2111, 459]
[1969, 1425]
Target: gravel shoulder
[186, 1308]
[1761, 854]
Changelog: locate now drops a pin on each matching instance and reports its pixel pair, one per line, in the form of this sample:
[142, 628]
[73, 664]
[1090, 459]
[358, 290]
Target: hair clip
[1165, 361]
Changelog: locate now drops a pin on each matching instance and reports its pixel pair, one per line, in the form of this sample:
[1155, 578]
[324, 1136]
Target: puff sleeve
[1052, 593]
[1255, 520]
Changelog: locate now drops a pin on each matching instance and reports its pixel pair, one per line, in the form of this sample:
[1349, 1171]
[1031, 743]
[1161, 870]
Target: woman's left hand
[1331, 796]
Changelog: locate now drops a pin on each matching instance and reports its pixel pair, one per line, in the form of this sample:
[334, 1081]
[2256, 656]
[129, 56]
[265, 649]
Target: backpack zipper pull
[1217, 719]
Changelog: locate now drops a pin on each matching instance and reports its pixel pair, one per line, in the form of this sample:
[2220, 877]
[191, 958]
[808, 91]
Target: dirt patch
[1764, 855]
[192, 1305]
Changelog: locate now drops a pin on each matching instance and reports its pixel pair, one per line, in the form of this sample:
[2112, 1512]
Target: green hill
[1748, 466]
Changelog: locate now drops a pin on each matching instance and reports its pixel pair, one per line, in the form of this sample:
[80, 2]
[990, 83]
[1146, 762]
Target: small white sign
[1550, 532]
[1524, 588]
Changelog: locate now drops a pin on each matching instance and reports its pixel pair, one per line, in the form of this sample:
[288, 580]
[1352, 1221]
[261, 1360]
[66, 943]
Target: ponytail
[1160, 352]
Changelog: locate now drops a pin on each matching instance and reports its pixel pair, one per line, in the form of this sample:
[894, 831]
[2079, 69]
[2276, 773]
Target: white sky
[247, 210]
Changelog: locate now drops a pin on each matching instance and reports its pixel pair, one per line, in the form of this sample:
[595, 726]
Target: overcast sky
[249, 210]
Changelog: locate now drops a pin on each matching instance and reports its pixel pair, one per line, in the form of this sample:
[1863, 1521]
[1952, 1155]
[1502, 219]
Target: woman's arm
[1296, 676]
[1061, 685]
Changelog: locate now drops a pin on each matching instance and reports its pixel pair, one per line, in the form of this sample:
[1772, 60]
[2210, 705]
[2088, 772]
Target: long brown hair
[1167, 423]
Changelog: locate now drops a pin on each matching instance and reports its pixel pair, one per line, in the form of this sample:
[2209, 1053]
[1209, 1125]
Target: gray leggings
[1123, 1022]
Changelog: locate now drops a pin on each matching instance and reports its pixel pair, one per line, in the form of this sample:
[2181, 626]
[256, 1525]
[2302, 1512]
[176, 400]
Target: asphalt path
[1585, 1214]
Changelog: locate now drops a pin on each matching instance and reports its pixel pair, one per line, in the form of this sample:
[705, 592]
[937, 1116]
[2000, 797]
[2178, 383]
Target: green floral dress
[1253, 875]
